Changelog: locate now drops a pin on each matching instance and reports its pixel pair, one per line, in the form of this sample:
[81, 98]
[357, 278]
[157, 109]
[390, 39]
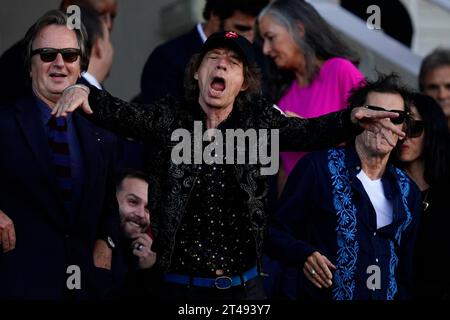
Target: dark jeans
[251, 290]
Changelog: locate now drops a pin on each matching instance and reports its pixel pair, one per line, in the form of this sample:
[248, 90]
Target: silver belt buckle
[223, 282]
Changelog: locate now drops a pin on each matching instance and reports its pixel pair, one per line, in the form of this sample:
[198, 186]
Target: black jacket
[48, 240]
[171, 184]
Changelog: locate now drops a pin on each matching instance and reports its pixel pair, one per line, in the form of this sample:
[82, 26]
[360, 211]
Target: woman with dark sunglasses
[425, 155]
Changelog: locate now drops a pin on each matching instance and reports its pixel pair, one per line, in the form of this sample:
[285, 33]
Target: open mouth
[135, 224]
[218, 84]
[57, 75]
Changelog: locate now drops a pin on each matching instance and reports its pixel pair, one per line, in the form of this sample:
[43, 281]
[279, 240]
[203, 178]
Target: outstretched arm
[326, 131]
[128, 119]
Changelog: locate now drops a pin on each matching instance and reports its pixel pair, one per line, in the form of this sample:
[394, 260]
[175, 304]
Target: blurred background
[143, 24]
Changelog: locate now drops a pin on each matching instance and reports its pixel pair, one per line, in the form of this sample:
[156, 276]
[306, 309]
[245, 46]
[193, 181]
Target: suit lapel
[90, 141]
[28, 117]
[398, 210]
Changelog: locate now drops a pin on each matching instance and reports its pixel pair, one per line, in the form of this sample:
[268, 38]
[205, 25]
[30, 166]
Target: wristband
[82, 87]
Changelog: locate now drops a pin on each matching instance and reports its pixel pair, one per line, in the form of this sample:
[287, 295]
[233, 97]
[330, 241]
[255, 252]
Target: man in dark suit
[57, 180]
[11, 61]
[164, 70]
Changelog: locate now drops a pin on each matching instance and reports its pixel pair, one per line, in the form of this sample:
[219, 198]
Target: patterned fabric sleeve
[298, 134]
[131, 120]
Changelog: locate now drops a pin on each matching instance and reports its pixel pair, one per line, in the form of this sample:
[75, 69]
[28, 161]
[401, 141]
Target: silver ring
[139, 247]
[312, 272]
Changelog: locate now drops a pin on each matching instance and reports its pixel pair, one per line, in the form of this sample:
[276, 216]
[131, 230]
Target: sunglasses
[50, 54]
[415, 128]
[402, 115]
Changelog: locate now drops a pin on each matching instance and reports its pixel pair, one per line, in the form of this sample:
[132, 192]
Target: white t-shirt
[382, 206]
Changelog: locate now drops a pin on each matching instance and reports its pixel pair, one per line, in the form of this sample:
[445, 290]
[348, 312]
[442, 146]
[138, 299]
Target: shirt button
[374, 234]
[358, 168]
[376, 260]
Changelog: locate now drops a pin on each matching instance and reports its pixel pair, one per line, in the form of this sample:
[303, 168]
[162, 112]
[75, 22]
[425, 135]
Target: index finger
[383, 114]
[5, 241]
[393, 127]
[12, 238]
[324, 268]
[328, 262]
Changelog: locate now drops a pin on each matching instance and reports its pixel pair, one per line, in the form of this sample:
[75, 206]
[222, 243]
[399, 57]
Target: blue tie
[59, 144]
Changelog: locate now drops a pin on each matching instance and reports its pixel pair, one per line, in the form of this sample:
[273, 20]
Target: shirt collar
[46, 112]
[201, 32]
[91, 80]
[352, 158]
[354, 163]
[199, 114]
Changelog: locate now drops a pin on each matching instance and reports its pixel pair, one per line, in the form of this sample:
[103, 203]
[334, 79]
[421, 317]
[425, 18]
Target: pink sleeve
[349, 77]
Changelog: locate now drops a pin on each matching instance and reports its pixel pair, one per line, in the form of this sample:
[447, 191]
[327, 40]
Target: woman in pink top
[316, 68]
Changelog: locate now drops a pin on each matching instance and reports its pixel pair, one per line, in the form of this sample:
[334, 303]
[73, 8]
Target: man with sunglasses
[57, 178]
[164, 70]
[349, 218]
[16, 82]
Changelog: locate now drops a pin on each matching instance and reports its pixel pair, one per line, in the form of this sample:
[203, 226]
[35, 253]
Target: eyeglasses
[415, 128]
[402, 115]
[50, 54]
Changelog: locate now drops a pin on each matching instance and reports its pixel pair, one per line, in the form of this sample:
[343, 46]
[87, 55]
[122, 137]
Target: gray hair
[320, 39]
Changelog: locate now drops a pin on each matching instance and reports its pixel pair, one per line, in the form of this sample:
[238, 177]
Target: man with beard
[135, 243]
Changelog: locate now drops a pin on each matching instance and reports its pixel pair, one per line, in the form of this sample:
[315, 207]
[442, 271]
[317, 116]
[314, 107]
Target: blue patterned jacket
[325, 208]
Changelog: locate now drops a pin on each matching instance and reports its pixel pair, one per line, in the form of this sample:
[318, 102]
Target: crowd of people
[88, 182]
